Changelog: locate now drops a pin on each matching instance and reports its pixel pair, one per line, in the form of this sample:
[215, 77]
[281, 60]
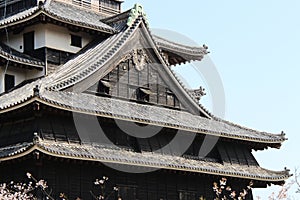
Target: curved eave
[78, 23]
[38, 12]
[24, 63]
[177, 53]
[272, 142]
[117, 18]
[148, 160]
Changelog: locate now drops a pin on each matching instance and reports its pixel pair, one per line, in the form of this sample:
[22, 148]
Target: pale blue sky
[255, 46]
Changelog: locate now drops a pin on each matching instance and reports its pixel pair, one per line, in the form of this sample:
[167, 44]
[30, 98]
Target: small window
[104, 87]
[76, 41]
[9, 82]
[143, 94]
[28, 42]
[132, 92]
[170, 98]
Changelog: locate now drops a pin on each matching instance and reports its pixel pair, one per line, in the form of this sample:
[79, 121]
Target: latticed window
[83, 3]
[187, 195]
[10, 7]
[109, 4]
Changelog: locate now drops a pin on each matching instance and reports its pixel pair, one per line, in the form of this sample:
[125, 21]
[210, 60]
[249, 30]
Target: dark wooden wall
[13, 7]
[61, 127]
[129, 83]
[76, 179]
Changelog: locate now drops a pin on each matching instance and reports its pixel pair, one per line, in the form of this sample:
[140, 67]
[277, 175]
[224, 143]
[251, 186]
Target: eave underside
[58, 13]
[177, 53]
[15, 58]
[135, 112]
[115, 155]
[154, 115]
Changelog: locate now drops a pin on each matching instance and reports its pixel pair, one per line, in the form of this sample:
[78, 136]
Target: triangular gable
[146, 72]
[137, 78]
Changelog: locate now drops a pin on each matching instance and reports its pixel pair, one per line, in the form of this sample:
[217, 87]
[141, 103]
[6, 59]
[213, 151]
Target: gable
[136, 78]
[85, 70]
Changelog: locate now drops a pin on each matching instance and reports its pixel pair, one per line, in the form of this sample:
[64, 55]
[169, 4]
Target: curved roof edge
[178, 53]
[12, 55]
[115, 155]
[101, 106]
[52, 9]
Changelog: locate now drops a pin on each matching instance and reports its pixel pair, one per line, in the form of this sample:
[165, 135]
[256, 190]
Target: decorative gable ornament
[140, 59]
[135, 12]
[198, 93]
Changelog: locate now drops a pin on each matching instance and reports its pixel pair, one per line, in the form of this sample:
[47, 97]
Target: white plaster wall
[20, 75]
[47, 35]
[60, 38]
[16, 40]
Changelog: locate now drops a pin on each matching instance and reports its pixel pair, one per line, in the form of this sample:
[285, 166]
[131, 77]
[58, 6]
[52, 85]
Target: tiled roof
[145, 159]
[73, 14]
[14, 150]
[160, 116]
[188, 53]
[94, 59]
[62, 12]
[126, 110]
[117, 21]
[85, 64]
[19, 16]
[20, 58]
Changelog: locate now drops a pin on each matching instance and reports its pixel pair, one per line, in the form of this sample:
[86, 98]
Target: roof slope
[60, 11]
[94, 60]
[92, 64]
[115, 155]
[12, 55]
[179, 53]
[109, 107]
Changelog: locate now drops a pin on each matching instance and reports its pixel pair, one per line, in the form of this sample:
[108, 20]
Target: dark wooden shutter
[9, 82]
[28, 41]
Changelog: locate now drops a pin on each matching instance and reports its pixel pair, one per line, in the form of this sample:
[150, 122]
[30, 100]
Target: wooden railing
[93, 5]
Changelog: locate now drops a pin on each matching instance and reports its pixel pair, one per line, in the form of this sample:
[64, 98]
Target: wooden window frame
[76, 41]
[7, 86]
[28, 42]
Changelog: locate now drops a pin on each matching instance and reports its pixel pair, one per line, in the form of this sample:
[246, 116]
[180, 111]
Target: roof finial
[198, 93]
[36, 91]
[40, 3]
[135, 12]
[36, 138]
